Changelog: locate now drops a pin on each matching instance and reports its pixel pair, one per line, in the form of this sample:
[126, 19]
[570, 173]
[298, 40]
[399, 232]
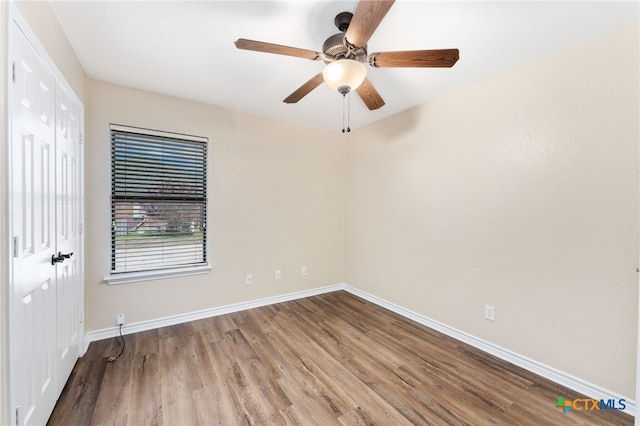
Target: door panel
[68, 132]
[33, 319]
[38, 388]
[33, 186]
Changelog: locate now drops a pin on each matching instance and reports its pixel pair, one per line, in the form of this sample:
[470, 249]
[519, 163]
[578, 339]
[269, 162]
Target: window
[158, 202]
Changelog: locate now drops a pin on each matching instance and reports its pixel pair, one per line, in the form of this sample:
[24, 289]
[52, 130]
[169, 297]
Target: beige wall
[520, 192]
[276, 202]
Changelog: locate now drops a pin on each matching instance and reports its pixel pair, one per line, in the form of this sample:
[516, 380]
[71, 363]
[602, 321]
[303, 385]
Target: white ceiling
[185, 48]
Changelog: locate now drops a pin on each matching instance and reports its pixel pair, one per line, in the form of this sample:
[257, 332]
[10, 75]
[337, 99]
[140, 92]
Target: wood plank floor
[323, 360]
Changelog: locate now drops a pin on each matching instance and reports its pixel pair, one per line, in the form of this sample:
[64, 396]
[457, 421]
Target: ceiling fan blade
[366, 19]
[304, 90]
[370, 95]
[442, 58]
[260, 46]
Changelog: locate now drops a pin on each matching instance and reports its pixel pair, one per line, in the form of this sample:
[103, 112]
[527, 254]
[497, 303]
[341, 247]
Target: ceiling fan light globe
[344, 73]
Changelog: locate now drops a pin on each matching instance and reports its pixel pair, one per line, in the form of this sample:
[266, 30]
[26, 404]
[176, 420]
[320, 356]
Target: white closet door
[69, 281]
[32, 193]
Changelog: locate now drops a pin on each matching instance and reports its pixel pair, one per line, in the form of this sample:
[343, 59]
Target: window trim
[133, 277]
[163, 273]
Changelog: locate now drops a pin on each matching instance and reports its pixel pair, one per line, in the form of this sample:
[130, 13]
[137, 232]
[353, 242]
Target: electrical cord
[113, 358]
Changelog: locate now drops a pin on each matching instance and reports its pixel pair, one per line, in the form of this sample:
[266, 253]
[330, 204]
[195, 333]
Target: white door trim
[4, 219]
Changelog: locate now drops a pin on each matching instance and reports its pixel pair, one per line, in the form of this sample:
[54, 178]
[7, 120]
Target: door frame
[9, 14]
[4, 217]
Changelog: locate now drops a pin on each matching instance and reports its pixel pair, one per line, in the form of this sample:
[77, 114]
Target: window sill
[132, 277]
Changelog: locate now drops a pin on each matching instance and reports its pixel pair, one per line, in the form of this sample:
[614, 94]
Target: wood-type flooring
[329, 359]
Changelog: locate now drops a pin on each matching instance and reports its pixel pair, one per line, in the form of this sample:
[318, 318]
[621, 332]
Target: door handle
[60, 257]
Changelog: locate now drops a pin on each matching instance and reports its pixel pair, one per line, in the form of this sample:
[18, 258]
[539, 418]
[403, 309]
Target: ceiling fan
[345, 52]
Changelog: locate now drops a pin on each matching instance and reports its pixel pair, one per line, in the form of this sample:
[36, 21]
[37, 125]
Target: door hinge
[81, 317]
[80, 228]
[13, 73]
[15, 246]
[18, 415]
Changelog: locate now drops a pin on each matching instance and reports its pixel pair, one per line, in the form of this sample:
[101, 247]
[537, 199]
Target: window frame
[123, 277]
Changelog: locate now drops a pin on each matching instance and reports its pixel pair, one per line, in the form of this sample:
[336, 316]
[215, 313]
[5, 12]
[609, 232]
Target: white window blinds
[158, 200]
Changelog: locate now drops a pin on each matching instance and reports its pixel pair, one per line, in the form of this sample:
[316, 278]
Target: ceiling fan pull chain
[349, 113]
[344, 95]
[346, 112]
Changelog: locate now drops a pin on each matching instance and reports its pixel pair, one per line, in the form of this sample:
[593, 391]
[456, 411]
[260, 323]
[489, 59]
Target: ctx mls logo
[588, 404]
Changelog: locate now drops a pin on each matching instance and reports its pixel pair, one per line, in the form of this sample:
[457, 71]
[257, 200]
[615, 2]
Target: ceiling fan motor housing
[334, 48]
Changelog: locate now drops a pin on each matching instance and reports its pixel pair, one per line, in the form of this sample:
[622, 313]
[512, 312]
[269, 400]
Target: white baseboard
[588, 389]
[555, 375]
[137, 327]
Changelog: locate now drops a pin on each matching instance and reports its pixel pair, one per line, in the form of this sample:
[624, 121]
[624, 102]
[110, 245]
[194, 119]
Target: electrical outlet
[278, 274]
[119, 319]
[248, 280]
[303, 271]
[489, 313]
